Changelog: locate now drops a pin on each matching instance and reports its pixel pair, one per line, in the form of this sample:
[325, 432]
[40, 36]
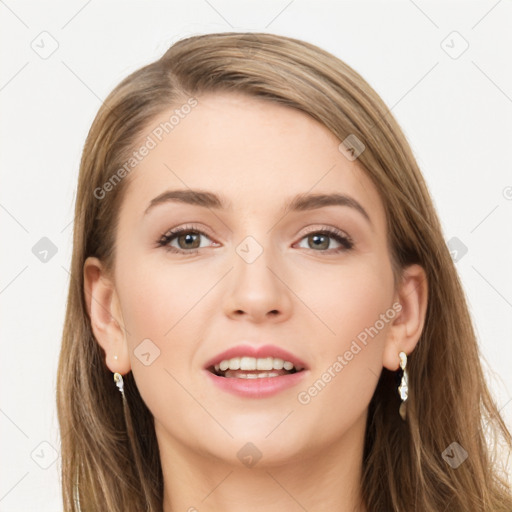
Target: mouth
[247, 367]
[266, 373]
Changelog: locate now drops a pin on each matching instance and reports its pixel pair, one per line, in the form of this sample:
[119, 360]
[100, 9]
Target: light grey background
[455, 109]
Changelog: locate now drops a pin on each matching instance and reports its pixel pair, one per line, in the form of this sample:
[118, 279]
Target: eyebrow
[300, 202]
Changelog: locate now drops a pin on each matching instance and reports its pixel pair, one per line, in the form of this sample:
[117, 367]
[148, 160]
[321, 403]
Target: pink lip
[257, 388]
[258, 352]
[260, 387]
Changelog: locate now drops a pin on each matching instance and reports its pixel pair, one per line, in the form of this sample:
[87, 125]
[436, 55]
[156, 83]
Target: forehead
[254, 152]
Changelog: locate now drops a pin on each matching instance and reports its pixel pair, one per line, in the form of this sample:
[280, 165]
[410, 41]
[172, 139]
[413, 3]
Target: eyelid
[329, 229]
[187, 227]
[206, 231]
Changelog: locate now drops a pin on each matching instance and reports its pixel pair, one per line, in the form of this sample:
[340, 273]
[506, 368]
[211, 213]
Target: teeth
[247, 363]
[278, 364]
[265, 364]
[252, 363]
[259, 375]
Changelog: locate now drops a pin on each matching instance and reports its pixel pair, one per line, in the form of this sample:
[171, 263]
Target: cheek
[159, 300]
[157, 307]
[163, 310]
[356, 305]
[160, 346]
[348, 300]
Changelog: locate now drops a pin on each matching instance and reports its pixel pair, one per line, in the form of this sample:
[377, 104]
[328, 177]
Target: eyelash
[344, 240]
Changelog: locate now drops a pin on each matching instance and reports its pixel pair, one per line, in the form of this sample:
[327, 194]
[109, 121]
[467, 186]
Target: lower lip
[257, 388]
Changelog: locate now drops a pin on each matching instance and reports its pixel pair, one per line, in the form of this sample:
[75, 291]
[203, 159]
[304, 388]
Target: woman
[263, 313]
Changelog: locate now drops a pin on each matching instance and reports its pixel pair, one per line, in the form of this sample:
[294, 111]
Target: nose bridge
[256, 288]
[251, 249]
[254, 244]
[255, 254]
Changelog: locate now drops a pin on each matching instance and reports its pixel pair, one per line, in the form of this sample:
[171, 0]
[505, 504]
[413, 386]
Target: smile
[255, 371]
[247, 367]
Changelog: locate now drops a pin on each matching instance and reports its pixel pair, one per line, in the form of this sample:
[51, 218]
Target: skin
[257, 154]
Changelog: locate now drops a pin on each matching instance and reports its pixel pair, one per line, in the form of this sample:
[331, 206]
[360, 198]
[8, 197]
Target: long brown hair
[110, 458]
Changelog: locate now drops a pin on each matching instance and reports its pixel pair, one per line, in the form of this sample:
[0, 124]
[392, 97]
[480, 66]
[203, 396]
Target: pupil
[189, 237]
[323, 245]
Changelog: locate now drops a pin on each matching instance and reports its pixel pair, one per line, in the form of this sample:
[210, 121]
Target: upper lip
[257, 352]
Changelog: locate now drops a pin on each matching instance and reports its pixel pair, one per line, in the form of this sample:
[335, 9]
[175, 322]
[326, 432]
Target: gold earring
[403, 389]
[118, 379]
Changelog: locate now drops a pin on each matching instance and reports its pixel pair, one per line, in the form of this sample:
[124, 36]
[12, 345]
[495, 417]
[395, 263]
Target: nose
[258, 289]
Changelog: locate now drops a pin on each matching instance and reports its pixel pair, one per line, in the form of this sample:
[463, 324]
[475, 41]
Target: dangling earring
[118, 379]
[403, 389]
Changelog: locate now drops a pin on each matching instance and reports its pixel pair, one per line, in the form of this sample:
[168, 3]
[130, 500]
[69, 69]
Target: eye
[188, 240]
[319, 240]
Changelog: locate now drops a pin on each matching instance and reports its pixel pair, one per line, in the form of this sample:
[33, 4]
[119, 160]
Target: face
[314, 280]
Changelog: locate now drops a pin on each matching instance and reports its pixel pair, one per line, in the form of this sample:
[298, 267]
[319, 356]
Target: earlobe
[407, 327]
[105, 315]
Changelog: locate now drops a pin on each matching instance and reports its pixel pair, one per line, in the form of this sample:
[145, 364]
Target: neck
[322, 479]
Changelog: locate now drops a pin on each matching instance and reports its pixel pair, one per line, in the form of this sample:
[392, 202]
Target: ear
[407, 326]
[105, 313]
